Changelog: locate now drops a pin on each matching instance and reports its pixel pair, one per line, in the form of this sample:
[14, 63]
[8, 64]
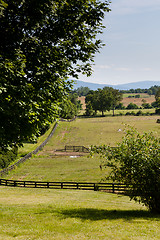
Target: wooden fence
[74, 149]
[108, 187]
[29, 155]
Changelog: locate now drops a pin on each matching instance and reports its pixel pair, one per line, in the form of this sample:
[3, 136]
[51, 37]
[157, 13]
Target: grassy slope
[45, 166]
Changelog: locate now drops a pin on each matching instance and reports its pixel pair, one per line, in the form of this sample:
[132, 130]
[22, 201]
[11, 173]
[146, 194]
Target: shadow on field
[97, 214]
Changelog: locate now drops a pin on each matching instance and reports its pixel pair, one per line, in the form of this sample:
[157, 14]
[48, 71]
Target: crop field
[132, 99]
[75, 214]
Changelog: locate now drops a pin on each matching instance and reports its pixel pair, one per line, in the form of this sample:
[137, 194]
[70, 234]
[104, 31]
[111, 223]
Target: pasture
[75, 214]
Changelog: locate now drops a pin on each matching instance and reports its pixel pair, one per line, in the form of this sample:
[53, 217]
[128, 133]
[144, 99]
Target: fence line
[29, 155]
[108, 187]
[76, 149]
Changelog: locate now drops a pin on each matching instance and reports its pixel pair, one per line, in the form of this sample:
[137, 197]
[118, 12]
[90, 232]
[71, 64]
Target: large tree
[42, 44]
[103, 99]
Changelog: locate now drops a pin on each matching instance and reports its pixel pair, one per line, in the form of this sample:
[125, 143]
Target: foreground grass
[63, 214]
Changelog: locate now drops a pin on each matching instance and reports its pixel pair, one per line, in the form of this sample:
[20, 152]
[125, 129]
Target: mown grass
[64, 214]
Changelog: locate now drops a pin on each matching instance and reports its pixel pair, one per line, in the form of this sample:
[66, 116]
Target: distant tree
[120, 106]
[157, 98]
[82, 91]
[105, 99]
[132, 106]
[89, 109]
[146, 105]
[70, 106]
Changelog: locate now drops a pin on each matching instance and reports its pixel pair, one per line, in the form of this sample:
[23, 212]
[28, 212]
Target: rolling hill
[127, 86]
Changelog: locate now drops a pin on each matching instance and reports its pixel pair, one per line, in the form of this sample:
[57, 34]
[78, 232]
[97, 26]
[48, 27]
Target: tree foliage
[103, 99]
[136, 163]
[82, 91]
[42, 43]
[157, 97]
[70, 106]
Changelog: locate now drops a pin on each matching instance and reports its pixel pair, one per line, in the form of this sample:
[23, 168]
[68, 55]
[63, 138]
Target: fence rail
[74, 149]
[29, 155]
[108, 187]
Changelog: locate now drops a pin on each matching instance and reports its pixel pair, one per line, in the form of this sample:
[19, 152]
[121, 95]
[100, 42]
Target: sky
[132, 44]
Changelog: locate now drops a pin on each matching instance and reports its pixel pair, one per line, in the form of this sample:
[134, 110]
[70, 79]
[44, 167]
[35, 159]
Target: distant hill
[126, 86]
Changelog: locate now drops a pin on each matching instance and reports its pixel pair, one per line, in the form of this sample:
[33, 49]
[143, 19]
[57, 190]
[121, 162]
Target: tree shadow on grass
[98, 214]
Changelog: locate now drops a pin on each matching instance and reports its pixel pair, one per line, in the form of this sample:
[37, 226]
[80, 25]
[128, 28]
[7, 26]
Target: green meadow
[75, 214]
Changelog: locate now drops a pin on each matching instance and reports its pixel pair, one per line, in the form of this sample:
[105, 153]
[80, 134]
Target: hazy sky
[132, 38]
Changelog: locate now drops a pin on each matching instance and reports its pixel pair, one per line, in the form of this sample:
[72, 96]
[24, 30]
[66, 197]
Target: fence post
[61, 185]
[113, 188]
[47, 184]
[77, 186]
[0, 181]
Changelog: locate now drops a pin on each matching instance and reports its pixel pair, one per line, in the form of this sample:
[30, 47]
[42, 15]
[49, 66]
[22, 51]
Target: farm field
[138, 101]
[75, 214]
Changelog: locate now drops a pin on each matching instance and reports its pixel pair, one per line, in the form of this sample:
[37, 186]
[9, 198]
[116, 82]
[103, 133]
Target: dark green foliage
[103, 99]
[136, 163]
[82, 91]
[42, 43]
[146, 106]
[70, 106]
[151, 91]
[7, 156]
[120, 106]
[132, 106]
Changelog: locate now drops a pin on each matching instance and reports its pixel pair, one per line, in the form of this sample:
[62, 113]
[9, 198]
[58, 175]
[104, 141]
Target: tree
[104, 99]
[82, 91]
[116, 97]
[70, 106]
[44, 42]
[136, 163]
[132, 106]
[157, 97]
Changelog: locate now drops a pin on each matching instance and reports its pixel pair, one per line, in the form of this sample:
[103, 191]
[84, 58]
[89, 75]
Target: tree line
[83, 91]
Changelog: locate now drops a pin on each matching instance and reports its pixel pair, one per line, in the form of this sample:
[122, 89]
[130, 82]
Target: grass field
[55, 214]
[82, 132]
[35, 214]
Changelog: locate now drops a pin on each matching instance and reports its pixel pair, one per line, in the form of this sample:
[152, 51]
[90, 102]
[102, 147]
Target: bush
[136, 163]
[132, 106]
[7, 156]
[139, 113]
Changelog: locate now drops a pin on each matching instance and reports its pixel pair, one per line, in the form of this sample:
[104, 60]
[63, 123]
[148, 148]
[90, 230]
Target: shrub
[7, 156]
[139, 113]
[136, 163]
[132, 106]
